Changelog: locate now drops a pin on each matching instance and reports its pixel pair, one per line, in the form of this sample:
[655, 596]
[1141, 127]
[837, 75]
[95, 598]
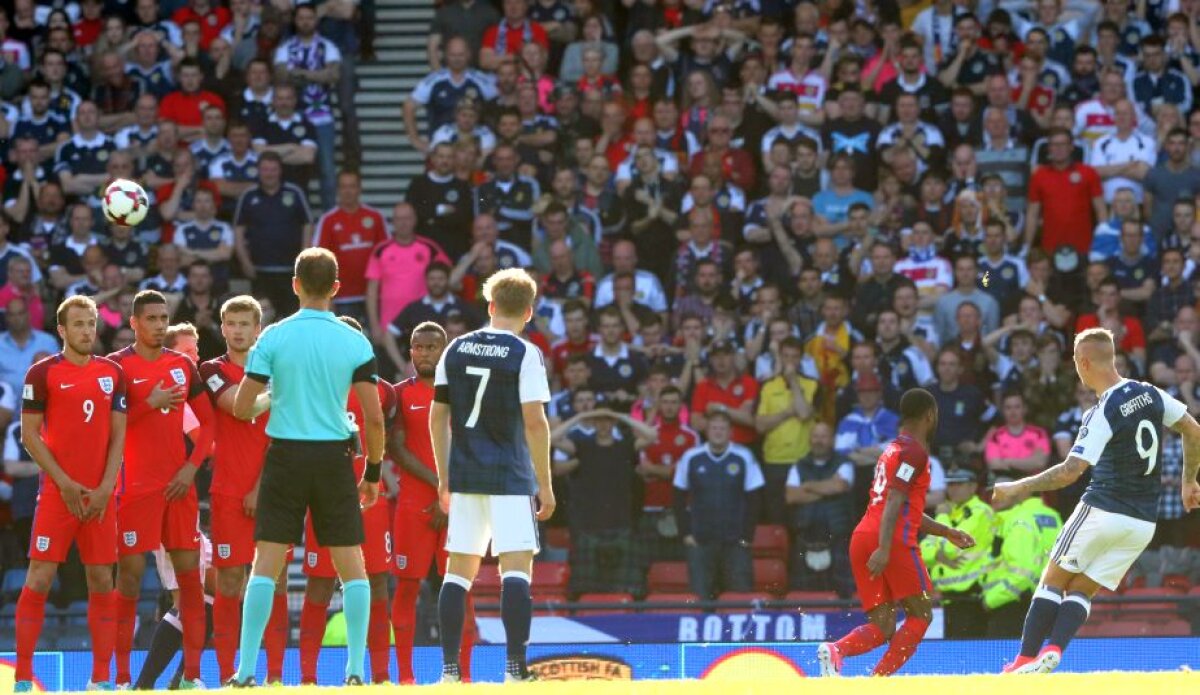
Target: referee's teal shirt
[311, 359]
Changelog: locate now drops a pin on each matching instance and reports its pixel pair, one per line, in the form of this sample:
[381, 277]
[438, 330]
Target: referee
[311, 360]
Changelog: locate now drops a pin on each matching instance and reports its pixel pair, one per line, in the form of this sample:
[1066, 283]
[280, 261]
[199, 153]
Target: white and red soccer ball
[125, 203]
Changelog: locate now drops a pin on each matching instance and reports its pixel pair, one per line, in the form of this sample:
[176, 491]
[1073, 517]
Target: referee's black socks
[516, 612]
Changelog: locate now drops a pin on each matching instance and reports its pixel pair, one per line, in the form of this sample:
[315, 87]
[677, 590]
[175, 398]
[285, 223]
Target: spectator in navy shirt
[1135, 271]
[617, 370]
[716, 503]
[271, 226]
[47, 127]
[963, 412]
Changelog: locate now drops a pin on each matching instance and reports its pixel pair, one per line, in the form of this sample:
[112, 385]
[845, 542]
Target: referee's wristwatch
[373, 471]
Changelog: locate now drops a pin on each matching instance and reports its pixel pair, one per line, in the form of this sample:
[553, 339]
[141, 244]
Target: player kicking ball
[73, 426]
[419, 534]
[1115, 521]
[887, 566]
[488, 425]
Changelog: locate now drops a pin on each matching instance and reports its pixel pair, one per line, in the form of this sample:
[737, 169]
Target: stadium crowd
[755, 223]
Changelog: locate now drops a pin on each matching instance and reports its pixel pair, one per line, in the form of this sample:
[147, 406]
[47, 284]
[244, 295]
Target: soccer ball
[125, 203]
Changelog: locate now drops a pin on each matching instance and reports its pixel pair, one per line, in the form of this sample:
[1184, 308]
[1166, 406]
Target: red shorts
[904, 576]
[148, 521]
[417, 544]
[55, 528]
[376, 548]
[232, 532]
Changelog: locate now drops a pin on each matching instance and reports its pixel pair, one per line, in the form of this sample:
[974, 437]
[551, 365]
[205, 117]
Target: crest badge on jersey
[312, 559]
[130, 538]
[106, 384]
[178, 375]
[733, 469]
[223, 551]
[401, 562]
[43, 543]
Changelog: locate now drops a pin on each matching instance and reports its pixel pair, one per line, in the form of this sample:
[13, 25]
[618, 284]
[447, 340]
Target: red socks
[312, 631]
[126, 622]
[31, 613]
[102, 618]
[903, 646]
[276, 636]
[193, 620]
[379, 636]
[860, 640]
[227, 628]
[468, 641]
[404, 619]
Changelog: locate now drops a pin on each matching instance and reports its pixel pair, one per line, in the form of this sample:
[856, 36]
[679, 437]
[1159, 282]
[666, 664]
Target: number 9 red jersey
[904, 467]
[77, 403]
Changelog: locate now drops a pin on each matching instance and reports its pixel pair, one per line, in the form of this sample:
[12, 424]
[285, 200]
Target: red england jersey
[674, 438]
[354, 413]
[77, 403]
[413, 397]
[563, 349]
[154, 448]
[1066, 198]
[903, 466]
[351, 236]
[239, 447]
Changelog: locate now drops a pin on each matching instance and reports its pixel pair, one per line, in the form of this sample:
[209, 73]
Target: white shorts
[507, 521]
[1101, 545]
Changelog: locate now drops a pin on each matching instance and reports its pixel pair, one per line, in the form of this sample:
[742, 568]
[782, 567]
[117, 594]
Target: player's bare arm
[376, 437]
[247, 394]
[537, 436]
[1054, 478]
[439, 436]
[1190, 489]
[112, 467]
[887, 531]
[72, 492]
[961, 539]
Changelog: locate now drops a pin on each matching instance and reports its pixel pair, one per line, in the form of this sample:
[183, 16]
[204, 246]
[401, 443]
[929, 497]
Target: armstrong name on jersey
[480, 350]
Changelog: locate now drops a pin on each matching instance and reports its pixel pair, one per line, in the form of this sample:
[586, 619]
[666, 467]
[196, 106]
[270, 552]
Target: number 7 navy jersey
[484, 377]
[1121, 437]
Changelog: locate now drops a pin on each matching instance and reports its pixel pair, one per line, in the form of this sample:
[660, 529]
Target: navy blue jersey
[485, 376]
[1121, 438]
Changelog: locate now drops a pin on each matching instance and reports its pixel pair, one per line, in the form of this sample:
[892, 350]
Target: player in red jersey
[377, 556]
[157, 502]
[238, 453]
[73, 426]
[419, 531]
[883, 550]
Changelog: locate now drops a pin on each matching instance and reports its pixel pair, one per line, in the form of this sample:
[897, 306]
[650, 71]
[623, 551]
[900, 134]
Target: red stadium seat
[1110, 628]
[1169, 628]
[1155, 591]
[551, 576]
[559, 537]
[770, 575]
[770, 541]
[668, 577]
[672, 598]
[487, 583]
[1177, 581]
[618, 603]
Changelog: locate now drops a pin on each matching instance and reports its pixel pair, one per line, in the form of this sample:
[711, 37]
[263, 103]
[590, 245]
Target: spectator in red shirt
[1066, 200]
[90, 24]
[737, 166]
[209, 14]
[727, 390]
[514, 31]
[351, 230]
[578, 340]
[1127, 330]
[186, 105]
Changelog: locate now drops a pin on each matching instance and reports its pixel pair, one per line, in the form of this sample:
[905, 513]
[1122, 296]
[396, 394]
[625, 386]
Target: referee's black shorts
[301, 476]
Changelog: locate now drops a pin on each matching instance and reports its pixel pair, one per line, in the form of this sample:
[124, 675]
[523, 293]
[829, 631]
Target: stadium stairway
[389, 162]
